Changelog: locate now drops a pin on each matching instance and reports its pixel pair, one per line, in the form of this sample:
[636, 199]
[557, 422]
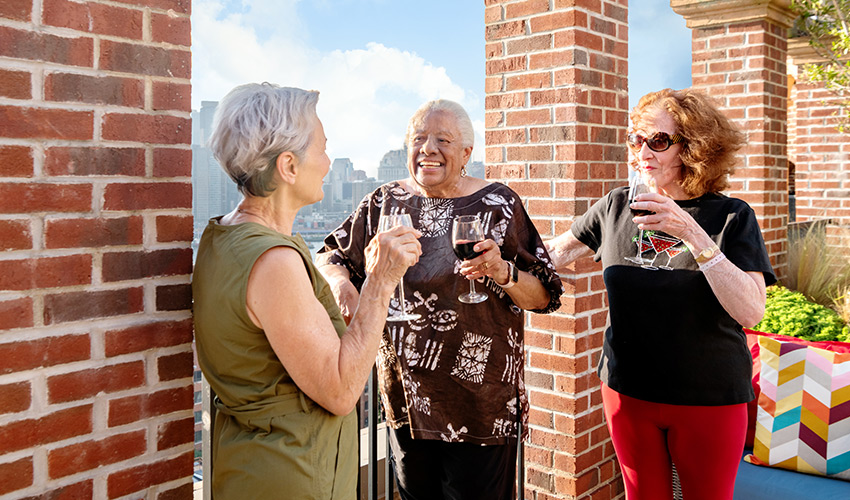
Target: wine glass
[385, 223]
[638, 185]
[466, 233]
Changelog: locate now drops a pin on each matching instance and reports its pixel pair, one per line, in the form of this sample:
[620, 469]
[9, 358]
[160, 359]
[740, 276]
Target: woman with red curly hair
[685, 268]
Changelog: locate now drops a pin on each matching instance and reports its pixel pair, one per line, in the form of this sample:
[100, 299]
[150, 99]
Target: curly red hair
[712, 141]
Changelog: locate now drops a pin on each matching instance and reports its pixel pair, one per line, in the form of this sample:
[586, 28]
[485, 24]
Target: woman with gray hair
[451, 380]
[270, 339]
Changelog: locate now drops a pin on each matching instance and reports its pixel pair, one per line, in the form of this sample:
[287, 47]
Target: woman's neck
[264, 212]
[463, 187]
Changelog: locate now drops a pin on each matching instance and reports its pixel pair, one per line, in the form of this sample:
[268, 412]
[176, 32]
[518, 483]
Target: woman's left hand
[489, 263]
[668, 217]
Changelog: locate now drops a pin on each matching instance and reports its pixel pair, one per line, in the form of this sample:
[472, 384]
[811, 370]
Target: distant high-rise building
[213, 192]
[476, 169]
[393, 165]
[342, 169]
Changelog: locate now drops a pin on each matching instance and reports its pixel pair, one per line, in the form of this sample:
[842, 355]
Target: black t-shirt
[668, 338]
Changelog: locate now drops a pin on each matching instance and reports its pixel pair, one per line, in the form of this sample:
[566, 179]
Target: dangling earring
[463, 171]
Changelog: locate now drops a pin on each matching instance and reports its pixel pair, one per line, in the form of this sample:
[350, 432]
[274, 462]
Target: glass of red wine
[385, 223]
[466, 232]
[638, 185]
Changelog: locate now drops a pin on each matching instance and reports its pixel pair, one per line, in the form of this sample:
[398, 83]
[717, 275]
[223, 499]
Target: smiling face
[664, 168]
[435, 155]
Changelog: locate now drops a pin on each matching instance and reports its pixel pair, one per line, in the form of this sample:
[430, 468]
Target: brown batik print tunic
[455, 374]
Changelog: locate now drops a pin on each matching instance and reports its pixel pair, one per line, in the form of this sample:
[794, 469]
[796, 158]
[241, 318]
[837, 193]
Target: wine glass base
[472, 298]
[650, 267]
[404, 317]
[638, 260]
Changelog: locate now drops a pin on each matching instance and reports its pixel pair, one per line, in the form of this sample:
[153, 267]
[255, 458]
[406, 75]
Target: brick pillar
[819, 151]
[555, 118]
[739, 51]
[95, 231]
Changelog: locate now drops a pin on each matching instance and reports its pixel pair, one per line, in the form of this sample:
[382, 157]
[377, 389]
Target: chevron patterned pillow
[803, 420]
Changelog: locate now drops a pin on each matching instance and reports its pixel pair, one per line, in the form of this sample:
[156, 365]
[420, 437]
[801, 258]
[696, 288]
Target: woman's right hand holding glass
[391, 252]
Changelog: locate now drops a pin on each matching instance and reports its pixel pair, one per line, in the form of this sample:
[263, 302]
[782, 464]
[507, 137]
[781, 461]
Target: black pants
[437, 470]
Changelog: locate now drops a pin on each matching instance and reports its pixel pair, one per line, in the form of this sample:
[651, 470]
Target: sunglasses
[660, 141]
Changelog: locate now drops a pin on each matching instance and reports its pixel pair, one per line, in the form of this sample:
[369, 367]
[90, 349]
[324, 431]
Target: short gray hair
[256, 122]
[467, 133]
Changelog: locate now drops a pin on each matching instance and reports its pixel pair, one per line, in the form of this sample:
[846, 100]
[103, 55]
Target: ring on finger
[484, 265]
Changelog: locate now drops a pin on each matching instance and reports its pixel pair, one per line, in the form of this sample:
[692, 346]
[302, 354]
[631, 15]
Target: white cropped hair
[256, 122]
[467, 134]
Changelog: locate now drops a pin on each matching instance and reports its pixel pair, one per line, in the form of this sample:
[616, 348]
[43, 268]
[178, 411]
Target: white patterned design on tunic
[340, 234]
[511, 406]
[471, 360]
[399, 193]
[454, 435]
[541, 254]
[435, 219]
[443, 320]
[494, 199]
[502, 427]
[498, 232]
[419, 403]
[512, 358]
[420, 301]
[428, 359]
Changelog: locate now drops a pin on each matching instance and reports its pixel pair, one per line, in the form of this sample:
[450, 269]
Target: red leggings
[705, 443]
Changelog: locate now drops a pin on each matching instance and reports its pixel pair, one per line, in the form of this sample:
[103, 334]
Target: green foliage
[826, 23]
[790, 313]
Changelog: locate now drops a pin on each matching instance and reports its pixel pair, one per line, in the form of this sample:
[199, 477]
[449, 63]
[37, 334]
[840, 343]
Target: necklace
[247, 213]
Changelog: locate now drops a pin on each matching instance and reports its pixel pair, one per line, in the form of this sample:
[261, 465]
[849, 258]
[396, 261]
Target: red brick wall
[95, 227]
[743, 65]
[555, 118]
[821, 155]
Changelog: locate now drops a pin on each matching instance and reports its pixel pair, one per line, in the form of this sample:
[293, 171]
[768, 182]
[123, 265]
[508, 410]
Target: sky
[375, 61]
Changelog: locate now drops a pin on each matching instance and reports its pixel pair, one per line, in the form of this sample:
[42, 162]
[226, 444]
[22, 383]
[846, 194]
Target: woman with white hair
[451, 381]
[270, 339]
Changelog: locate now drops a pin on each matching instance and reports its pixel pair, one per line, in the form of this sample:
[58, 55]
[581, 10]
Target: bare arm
[566, 249]
[345, 293]
[330, 370]
[741, 293]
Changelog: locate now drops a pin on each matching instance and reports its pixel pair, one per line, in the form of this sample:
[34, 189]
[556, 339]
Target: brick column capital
[709, 13]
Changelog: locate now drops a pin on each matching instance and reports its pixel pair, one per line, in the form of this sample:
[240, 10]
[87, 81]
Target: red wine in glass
[464, 249]
[639, 212]
[466, 232]
[638, 185]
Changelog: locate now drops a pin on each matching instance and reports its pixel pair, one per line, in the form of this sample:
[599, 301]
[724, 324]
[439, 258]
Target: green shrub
[790, 313]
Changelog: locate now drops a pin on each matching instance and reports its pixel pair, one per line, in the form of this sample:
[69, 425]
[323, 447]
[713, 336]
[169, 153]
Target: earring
[463, 171]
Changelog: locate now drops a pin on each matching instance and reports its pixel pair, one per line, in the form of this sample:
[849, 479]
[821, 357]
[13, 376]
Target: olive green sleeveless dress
[270, 440]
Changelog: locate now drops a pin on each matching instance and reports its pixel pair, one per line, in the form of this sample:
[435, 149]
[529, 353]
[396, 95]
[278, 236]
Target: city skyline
[214, 193]
[374, 62]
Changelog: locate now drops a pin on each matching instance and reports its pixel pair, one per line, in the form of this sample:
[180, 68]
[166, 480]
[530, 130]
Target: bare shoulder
[278, 283]
[279, 260]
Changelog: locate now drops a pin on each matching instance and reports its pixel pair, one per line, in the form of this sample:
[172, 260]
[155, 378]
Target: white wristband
[714, 260]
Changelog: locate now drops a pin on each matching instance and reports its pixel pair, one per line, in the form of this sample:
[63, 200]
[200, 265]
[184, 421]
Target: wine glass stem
[640, 245]
[472, 288]
[401, 304]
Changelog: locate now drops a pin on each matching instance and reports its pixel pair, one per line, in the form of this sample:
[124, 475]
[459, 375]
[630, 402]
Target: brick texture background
[821, 156]
[95, 227]
[555, 118]
[743, 65]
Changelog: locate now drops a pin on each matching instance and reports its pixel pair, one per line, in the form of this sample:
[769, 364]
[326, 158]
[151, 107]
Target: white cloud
[367, 94]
